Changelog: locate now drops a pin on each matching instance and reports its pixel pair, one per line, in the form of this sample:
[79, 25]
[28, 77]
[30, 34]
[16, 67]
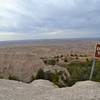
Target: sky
[49, 19]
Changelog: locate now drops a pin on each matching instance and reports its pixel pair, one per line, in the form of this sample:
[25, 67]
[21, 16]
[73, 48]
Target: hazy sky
[39, 19]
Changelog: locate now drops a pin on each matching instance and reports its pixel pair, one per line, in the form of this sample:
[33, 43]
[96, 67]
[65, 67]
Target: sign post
[92, 69]
[97, 54]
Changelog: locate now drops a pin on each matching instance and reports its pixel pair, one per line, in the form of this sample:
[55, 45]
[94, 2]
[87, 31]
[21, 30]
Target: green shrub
[1, 77]
[61, 56]
[57, 60]
[77, 57]
[87, 59]
[71, 55]
[53, 77]
[40, 74]
[65, 60]
[51, 61]
[45, 61]
[13, 78]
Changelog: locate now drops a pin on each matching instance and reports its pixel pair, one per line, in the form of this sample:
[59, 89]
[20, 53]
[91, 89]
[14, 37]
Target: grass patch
[80, 71]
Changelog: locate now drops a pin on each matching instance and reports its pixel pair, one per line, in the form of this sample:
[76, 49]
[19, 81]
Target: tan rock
[45, 90]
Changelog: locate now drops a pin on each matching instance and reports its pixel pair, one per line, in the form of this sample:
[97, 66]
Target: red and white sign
[97, 53]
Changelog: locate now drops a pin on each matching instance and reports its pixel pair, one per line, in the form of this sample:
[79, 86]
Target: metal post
[92, 69]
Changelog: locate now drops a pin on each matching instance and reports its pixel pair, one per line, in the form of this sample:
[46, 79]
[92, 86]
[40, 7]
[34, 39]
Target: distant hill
[45, 41]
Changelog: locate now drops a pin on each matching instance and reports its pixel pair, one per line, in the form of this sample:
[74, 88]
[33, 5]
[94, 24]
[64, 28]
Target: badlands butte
[59, 61]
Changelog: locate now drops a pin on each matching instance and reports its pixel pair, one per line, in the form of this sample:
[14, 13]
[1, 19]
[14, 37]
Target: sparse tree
[40, 74]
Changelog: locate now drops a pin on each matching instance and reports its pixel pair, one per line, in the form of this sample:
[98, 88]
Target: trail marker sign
[97, 53]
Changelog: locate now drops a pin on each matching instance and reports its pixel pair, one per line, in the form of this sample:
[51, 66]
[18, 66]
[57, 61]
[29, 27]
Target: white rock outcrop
[45, 90]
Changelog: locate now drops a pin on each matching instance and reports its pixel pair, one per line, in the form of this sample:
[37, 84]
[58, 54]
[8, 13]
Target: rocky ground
[45, 90]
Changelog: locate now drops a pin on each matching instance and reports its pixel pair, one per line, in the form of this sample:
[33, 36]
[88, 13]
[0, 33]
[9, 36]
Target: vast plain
[20, 60]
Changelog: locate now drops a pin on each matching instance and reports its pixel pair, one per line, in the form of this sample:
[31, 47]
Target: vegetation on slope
[79, 71]
[48, 75]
